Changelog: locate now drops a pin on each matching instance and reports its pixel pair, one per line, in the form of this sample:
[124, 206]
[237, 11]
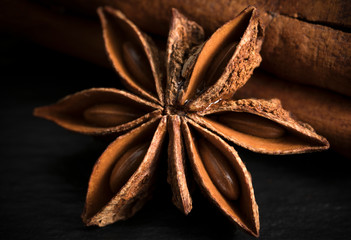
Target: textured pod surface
[243, 211]
[181, 41]
[327, 112]
[69, 112]
[245, 28]
[177, 172]
[299, 137]
[103, 207]
[123, 176]
[122, 36]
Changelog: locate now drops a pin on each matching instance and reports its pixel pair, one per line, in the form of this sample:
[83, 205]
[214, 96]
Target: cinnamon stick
[308, 53]
[327, 112]
[306, 41]
[334, 13]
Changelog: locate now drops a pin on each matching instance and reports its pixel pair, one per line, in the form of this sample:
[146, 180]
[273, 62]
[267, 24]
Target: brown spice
[308, 53]
[296, 38]
[327, 112]
[190, 111]
[252, 124]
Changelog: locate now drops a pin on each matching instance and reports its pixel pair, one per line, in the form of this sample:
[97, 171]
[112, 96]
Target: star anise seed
[192, 101]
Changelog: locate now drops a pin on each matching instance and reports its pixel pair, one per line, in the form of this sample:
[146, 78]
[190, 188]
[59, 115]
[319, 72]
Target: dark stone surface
[44, 170]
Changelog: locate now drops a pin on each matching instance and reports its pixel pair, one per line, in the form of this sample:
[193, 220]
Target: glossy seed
[138, 65]
[109, 115]
[252, 124]
[126, 165]
[219, 170]
[219, 62]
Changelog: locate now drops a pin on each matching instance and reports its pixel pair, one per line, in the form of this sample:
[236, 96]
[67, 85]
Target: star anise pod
[192, 101]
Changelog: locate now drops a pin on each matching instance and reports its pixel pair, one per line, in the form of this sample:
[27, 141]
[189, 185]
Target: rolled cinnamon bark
[327, 112]
[301, 35]
[333, 13]
[308, 53]
[306, 41]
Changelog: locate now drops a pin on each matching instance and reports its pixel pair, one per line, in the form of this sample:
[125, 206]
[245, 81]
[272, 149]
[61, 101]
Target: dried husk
[183, 36]
[177, 167]
[185, 54]
[243, 211]
[246, 30]
[117, 29]
[298, 138]
[329, 113]
[102, 207]
[69, 111]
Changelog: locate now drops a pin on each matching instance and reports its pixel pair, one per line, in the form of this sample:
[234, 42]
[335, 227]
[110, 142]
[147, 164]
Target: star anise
[192, 101]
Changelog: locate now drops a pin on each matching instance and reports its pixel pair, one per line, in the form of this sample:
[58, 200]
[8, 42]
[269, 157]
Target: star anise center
[175, 110]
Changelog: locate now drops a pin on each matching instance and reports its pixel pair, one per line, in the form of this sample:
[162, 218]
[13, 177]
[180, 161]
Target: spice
[302, 36]
[329, 113]
[196, 115]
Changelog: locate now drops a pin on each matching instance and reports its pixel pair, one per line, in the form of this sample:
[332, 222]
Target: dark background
[44, 169]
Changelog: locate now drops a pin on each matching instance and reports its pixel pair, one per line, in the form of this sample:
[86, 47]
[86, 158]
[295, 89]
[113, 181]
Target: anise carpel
[191, 105]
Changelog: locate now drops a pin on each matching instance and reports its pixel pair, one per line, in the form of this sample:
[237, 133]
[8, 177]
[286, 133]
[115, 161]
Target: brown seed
[126, 166]
[138, 65]
[109, 115]
[252, 124]
[219, 170]
[218, 64]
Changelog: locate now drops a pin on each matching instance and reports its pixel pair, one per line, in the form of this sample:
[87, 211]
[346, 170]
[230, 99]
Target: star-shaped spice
[191, 100]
